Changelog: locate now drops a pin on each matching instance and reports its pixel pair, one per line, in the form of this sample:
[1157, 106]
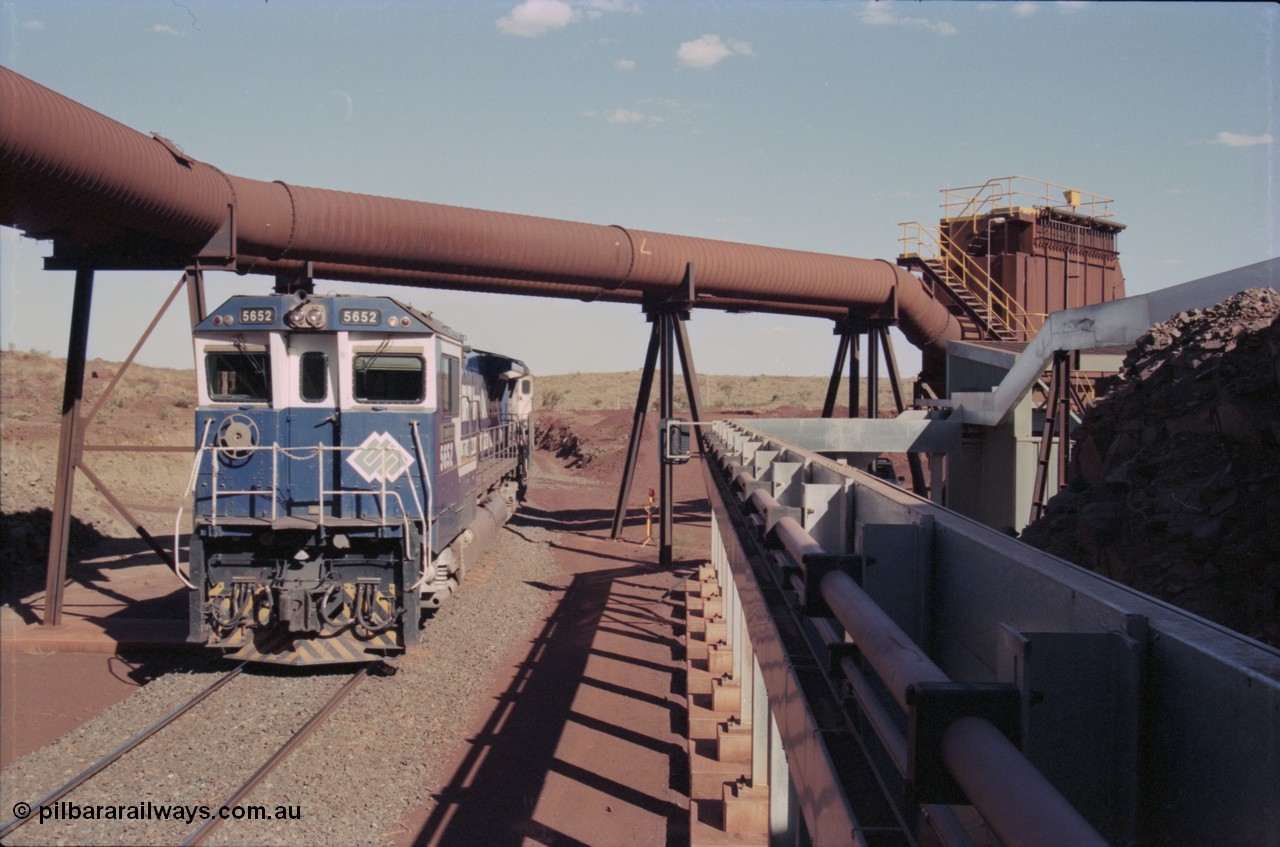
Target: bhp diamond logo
[380, 458]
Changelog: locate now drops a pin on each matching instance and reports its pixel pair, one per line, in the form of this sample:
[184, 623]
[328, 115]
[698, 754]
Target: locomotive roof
[351, 312]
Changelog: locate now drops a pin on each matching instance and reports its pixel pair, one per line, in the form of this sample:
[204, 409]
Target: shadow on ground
[494, 796]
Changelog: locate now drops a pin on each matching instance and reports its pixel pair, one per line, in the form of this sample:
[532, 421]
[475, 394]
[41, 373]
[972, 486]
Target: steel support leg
[690, 375]
[855, 375]
[637, 429]
[837, 373]
[873, 373]
[666, 471]
[918, 484]
[69, 446]
[1054, 407]
[195, 295]
[1064, 418]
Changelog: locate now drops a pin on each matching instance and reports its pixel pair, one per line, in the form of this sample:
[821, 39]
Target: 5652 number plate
[360, 317]
[259, 315]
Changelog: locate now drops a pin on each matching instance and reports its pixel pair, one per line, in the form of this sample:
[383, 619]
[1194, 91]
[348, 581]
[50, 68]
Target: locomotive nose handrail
[428, 567]
[500, 442]
[191, 485]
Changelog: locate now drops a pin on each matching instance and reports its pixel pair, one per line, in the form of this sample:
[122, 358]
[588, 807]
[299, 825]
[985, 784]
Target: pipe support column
[69, 447]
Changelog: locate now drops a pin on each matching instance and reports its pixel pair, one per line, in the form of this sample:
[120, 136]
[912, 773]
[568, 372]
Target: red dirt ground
[601, 708]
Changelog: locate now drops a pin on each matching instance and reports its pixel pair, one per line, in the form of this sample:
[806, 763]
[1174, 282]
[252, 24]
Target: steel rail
[280, 755]
[87, 774]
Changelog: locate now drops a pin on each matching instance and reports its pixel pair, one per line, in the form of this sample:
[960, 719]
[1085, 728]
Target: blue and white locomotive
[353, 457]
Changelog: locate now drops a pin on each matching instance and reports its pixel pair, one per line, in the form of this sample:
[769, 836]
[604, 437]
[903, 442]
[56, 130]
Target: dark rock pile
[1174, 485]
[558, 437]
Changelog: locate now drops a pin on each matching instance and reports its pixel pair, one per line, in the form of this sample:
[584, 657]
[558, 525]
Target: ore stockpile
[1174, 484]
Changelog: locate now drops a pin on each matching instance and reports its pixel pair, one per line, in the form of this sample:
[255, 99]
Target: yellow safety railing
[960, 269]
[1084, 388]
[1011, 192]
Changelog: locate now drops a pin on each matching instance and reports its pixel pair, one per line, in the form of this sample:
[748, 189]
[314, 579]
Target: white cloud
[1024, 10]
[884, 13]
[671, 105]
[625, 116]
[1236, 139]
[625, 64]
[710, 50]
[33, 24]
[164, 29]
[534, 17]
[598, 7]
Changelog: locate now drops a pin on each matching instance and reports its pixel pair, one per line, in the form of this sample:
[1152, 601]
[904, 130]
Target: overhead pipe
[72, 173]
[506, 285]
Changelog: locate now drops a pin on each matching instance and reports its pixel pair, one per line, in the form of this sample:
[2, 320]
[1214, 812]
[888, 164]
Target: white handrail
[191, 484]
[428, 566]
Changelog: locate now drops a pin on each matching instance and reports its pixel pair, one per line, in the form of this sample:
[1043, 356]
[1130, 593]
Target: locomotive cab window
[389, 378]
[240, 376]
[450, 377]
[313, 382]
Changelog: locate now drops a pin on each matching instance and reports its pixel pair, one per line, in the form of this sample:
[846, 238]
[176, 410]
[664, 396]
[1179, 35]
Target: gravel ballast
[381, 753]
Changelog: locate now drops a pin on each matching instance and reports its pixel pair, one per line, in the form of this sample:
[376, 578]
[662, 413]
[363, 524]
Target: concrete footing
[724, 806]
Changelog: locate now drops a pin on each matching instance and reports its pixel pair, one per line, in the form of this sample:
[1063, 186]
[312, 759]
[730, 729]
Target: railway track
[213, 821]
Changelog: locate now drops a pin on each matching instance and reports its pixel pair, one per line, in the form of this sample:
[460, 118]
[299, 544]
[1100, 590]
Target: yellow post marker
[648, 521]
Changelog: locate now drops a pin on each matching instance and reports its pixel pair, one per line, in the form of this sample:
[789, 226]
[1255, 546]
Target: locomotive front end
[327, 479]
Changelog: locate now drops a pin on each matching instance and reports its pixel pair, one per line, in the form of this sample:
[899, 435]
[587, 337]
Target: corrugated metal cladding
[967, 375]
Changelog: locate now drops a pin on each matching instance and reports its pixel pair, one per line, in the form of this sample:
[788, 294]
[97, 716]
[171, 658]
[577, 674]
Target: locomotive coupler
[297, 608]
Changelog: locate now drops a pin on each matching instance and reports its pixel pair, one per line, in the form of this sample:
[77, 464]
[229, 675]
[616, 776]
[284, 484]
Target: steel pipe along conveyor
[903, 667]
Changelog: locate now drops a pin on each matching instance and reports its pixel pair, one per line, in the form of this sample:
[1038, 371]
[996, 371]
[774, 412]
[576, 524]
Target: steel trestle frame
[667, 340]
[71, 441]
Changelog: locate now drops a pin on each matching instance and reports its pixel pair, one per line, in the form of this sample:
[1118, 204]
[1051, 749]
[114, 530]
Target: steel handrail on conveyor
[1003, 796]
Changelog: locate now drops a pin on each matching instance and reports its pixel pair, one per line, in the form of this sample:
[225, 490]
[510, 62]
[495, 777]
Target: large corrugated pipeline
[507, 285]
[73, 173]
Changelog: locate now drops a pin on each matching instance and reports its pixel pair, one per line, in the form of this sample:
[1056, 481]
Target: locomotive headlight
[308, 316]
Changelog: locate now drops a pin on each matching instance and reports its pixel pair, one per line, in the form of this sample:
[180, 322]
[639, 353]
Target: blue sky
[806, 125]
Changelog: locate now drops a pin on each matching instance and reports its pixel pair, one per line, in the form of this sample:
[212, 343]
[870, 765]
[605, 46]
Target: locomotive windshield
[389, 378]
[239, 376]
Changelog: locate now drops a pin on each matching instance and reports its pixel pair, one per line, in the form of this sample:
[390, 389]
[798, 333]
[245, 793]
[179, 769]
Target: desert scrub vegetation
[760, 393]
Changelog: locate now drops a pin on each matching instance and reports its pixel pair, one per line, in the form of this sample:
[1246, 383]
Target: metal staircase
[985, 323]
[985, 309]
